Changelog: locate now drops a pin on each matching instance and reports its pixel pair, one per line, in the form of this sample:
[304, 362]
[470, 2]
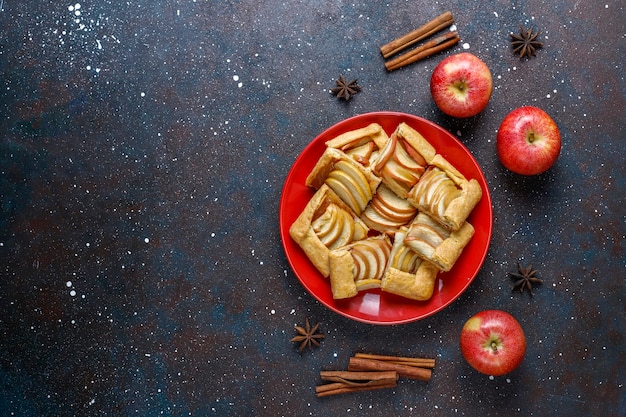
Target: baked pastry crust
[453, 213]
[303, 233]
[403, 159]
[344, 282]
[326, 164]
[361, 144]
[435, 243]
[418, 283]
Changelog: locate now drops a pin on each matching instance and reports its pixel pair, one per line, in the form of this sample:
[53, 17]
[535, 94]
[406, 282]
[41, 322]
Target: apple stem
[494, 346]
[531, 137]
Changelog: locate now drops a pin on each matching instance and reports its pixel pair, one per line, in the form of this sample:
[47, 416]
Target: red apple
[493, 342]
[461, 85]
[528, 141]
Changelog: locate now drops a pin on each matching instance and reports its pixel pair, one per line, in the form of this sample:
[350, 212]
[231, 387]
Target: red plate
[375, 306]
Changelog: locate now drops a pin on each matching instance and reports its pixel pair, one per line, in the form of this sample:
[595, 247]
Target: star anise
[307, 336]
[526, 42]
[525, 278]
[345, 89]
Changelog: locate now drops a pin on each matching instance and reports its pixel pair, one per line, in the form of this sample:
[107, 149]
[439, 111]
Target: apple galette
[389, 213]
[358, 266]
[407, 273]
[445, 194]
[325, 224]
[351, 181]
[435, 243]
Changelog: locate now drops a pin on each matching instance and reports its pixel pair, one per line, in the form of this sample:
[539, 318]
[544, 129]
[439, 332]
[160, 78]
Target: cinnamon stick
[440, 22]
[430, 48]
[354, 381]
[400, 360]
[340, 388]
[353, 377]
[361, 364]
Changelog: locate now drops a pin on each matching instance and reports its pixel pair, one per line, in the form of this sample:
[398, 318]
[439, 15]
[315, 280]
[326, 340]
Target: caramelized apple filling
[362, 153]
[351, 185]
[435, 191]
[387, 212]
[405, 260]
[334, 227]
[400, 164]
[425, 235]
[370, 258]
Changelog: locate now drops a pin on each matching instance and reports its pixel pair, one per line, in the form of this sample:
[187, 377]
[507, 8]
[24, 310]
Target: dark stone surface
[143, 148]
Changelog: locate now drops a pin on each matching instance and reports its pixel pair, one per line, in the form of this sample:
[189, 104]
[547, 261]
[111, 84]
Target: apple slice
[419, 245]
[335, 227]
[407, 161]
[362, 154]
[406, 260]
[382, 248]
[425, 221]
[435, 191]
[382, 209]
[329, 226]
[342, 190]
[382, 257]
[377, 222]
[358, 178]
[400, 164]
[361, 230]
[415, 155]
[425, 235]
[350, 185]
[387, 203]
[385, 155]
[347, 232]
[323, 225]
[361, 265]
[429, 235]
[368, 284]
[398, 173]
[426, 188]
[370, 257]
[387, 212]
[445, 192]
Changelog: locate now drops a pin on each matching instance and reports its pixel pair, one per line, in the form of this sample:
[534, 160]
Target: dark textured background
[143, 149]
